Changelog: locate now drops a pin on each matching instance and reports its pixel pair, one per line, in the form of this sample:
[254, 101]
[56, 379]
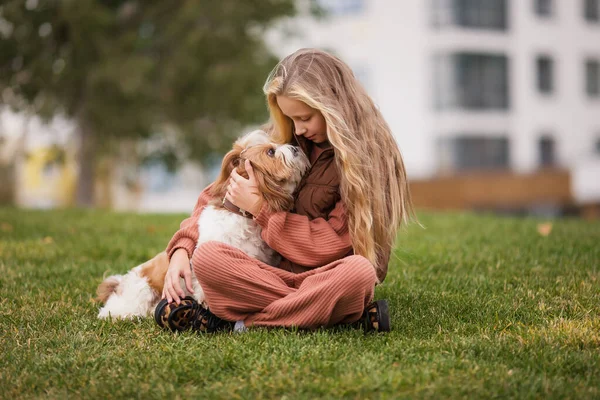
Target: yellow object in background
[48, 178]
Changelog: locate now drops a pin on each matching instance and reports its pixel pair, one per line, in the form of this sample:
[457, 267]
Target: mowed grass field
[482, 307]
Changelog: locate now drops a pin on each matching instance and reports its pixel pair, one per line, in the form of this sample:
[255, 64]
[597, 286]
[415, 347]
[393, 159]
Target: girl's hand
[179, 267]
[244, 192]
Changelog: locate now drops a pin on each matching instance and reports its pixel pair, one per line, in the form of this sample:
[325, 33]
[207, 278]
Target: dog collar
[235, 209]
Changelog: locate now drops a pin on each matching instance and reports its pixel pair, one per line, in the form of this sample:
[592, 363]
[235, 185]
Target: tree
[127, 69]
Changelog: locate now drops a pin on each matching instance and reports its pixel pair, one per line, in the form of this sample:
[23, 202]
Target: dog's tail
[107, 287]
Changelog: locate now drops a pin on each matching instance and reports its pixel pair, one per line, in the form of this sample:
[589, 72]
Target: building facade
[471, 85]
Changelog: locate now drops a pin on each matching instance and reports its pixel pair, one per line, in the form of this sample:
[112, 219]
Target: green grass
[481, 307]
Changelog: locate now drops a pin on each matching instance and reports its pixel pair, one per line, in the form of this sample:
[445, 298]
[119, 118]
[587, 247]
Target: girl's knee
[206, 258]
[359, 271]
[208, 249]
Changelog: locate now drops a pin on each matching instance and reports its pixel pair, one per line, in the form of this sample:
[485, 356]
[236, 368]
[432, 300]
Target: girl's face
[308, 121]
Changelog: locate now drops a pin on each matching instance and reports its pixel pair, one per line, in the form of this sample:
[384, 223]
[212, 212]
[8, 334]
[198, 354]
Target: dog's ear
[274, 194]
[230, 161]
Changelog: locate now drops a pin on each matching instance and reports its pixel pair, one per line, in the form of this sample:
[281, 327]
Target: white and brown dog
[278, 170]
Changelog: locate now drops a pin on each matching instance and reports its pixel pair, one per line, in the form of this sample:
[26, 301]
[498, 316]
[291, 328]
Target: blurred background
[130, 105]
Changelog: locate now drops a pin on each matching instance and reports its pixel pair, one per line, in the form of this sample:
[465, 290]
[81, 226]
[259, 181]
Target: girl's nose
[300, 130]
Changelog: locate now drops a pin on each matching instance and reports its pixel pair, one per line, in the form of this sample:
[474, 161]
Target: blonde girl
[336, 242]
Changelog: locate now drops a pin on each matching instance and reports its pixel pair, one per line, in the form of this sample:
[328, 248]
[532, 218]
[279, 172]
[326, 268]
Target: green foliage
[130, 68]
[482, 307]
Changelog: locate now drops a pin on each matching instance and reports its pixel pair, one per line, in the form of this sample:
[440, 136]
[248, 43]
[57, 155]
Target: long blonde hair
[373, 185]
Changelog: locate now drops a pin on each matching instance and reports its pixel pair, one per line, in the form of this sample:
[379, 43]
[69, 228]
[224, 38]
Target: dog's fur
[278, 170]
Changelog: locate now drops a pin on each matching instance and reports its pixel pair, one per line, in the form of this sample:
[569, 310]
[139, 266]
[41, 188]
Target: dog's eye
[271, 153]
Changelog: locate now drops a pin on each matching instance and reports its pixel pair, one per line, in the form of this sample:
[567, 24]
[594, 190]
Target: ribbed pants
[241, 288]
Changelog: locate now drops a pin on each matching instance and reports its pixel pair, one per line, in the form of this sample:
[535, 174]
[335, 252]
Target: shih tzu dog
[278, 170]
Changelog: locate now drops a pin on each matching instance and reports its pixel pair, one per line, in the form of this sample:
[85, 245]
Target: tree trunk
[8, 178]
[86, 160]
[19, 160]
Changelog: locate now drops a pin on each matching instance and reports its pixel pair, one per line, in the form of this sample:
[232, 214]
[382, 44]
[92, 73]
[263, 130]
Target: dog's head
[278, 168]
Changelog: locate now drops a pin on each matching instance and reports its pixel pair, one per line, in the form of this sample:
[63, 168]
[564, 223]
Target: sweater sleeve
[187, 235]
[310, 243]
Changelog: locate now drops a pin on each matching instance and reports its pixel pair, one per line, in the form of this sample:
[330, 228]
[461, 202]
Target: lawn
[482, 306]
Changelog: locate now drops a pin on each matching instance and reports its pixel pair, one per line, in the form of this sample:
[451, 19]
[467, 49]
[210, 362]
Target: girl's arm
[187, 235]
[310, 243]
[180, 251]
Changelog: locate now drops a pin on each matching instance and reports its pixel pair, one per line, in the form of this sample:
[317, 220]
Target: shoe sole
[159, 312]
[384, 316]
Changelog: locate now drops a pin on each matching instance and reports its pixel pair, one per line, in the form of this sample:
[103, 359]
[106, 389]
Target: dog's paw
[104, 313]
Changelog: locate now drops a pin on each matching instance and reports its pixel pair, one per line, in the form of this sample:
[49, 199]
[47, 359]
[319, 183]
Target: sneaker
[376, 317]
[188, 314]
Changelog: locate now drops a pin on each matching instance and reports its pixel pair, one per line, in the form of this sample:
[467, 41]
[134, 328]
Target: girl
[335, 243]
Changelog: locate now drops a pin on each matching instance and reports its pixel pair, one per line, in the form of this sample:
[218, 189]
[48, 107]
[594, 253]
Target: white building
[475, 84]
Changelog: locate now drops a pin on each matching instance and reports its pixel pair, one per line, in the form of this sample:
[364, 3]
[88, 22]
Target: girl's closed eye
[304, 119]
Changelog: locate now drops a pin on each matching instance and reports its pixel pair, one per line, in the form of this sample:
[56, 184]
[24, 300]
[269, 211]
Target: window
[547, 151]
[489, 14]
[592, 78]
[544, 8]
[545, 74]
[343, 7]
[471, 81]
[472, 152]
[591, 10]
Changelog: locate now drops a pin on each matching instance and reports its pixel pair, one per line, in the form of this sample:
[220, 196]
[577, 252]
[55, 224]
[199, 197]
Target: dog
[278, 170]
